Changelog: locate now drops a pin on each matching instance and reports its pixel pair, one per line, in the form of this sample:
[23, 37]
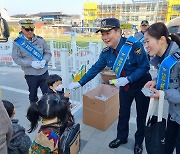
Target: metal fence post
[64, 67]
[11, 48]
[74, 51]
[52, 52]
[93, 48]
[99, 48]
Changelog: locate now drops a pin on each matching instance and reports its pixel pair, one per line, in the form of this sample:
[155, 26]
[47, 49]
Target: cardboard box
[101, 113]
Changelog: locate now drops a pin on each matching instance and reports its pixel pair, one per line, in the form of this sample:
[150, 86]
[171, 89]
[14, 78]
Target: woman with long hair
[165, 49]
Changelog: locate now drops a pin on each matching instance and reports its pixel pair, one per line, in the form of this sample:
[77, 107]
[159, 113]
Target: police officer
[140, 35]
[32, 53]
[136, 69]
[161, 45]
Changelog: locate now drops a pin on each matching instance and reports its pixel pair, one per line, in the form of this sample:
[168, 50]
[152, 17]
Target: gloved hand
[74, 85]
[43, 62]
[122, 81]
[36, 64]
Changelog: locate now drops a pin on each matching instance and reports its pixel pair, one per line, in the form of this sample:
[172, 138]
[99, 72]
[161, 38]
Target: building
[134, 13]
[90, 14]
[53, 18]
[173, 10]
[76, 20]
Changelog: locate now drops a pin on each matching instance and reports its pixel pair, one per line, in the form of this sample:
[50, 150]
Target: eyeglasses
[29, 29]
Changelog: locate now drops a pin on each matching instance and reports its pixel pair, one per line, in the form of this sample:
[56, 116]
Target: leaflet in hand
[147, 92]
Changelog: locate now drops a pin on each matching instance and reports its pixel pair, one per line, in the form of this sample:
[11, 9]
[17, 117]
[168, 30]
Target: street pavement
[93, 141]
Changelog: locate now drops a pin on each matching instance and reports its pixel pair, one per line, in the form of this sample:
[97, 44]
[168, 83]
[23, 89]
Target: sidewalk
[93, 141]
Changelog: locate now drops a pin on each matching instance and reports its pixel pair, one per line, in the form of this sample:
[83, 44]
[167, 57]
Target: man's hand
[122, 81]
[43, 62]
[74, 85]
[36, 64]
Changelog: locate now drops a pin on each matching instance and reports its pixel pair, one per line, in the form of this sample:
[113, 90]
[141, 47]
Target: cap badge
[29, 21]
[103, 23]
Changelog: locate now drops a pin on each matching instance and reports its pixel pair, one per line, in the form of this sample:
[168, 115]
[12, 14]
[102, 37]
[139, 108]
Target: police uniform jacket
[24, 59]
[140, 36]
[172, 94]
[136, 65]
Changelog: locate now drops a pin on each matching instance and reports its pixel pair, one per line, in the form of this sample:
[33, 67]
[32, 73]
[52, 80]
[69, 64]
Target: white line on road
[74, 110]
[14, 89]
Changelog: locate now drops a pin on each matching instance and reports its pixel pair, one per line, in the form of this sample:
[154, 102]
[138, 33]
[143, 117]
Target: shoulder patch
[105, 49]
[138, 51]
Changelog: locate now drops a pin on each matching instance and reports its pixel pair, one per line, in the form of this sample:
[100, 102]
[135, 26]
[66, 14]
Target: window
[123, 9]
[137, 8]
[134, 18]
[173, 16]
[160, 18]
[173, 29]
[128, 9]
[147, 18]
[176, 7]
[127, 18]
[148, 8]
[152, 17]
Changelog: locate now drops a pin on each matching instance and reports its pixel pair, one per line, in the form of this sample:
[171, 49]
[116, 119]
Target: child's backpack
[13, 149]
[70, 140]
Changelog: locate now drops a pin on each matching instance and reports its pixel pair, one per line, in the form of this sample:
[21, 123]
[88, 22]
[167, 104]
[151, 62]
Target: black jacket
[61, 95]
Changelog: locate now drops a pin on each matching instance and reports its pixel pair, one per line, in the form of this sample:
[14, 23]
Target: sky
[35, 6]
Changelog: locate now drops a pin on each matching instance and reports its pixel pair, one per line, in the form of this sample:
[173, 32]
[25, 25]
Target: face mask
[59, 88]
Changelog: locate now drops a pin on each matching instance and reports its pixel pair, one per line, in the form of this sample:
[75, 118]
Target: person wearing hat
[32, 53]
[134, 74]
[140, 35]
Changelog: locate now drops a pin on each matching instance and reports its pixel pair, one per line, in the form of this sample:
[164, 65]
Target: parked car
[174, 26]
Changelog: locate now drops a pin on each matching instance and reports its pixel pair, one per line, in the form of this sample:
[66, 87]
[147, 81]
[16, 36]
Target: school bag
[11, 148]
[70, 140]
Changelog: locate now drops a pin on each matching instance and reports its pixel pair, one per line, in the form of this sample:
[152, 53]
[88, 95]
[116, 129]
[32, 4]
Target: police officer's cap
[144, 22]
[27, 23]
[108, 24]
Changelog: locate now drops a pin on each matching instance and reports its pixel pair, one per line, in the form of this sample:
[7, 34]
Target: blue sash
[164, 70]
[29, 48]
[142, 39]
[123, 54]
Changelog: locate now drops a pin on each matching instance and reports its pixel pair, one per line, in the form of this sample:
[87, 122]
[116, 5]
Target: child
[20, 141]
[54, 83]
[55, 117]
[5, 129]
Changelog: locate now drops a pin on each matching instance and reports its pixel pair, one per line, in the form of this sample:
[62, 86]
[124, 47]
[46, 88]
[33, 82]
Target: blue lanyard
[164, 70]
[123, 54]
[29, 48]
